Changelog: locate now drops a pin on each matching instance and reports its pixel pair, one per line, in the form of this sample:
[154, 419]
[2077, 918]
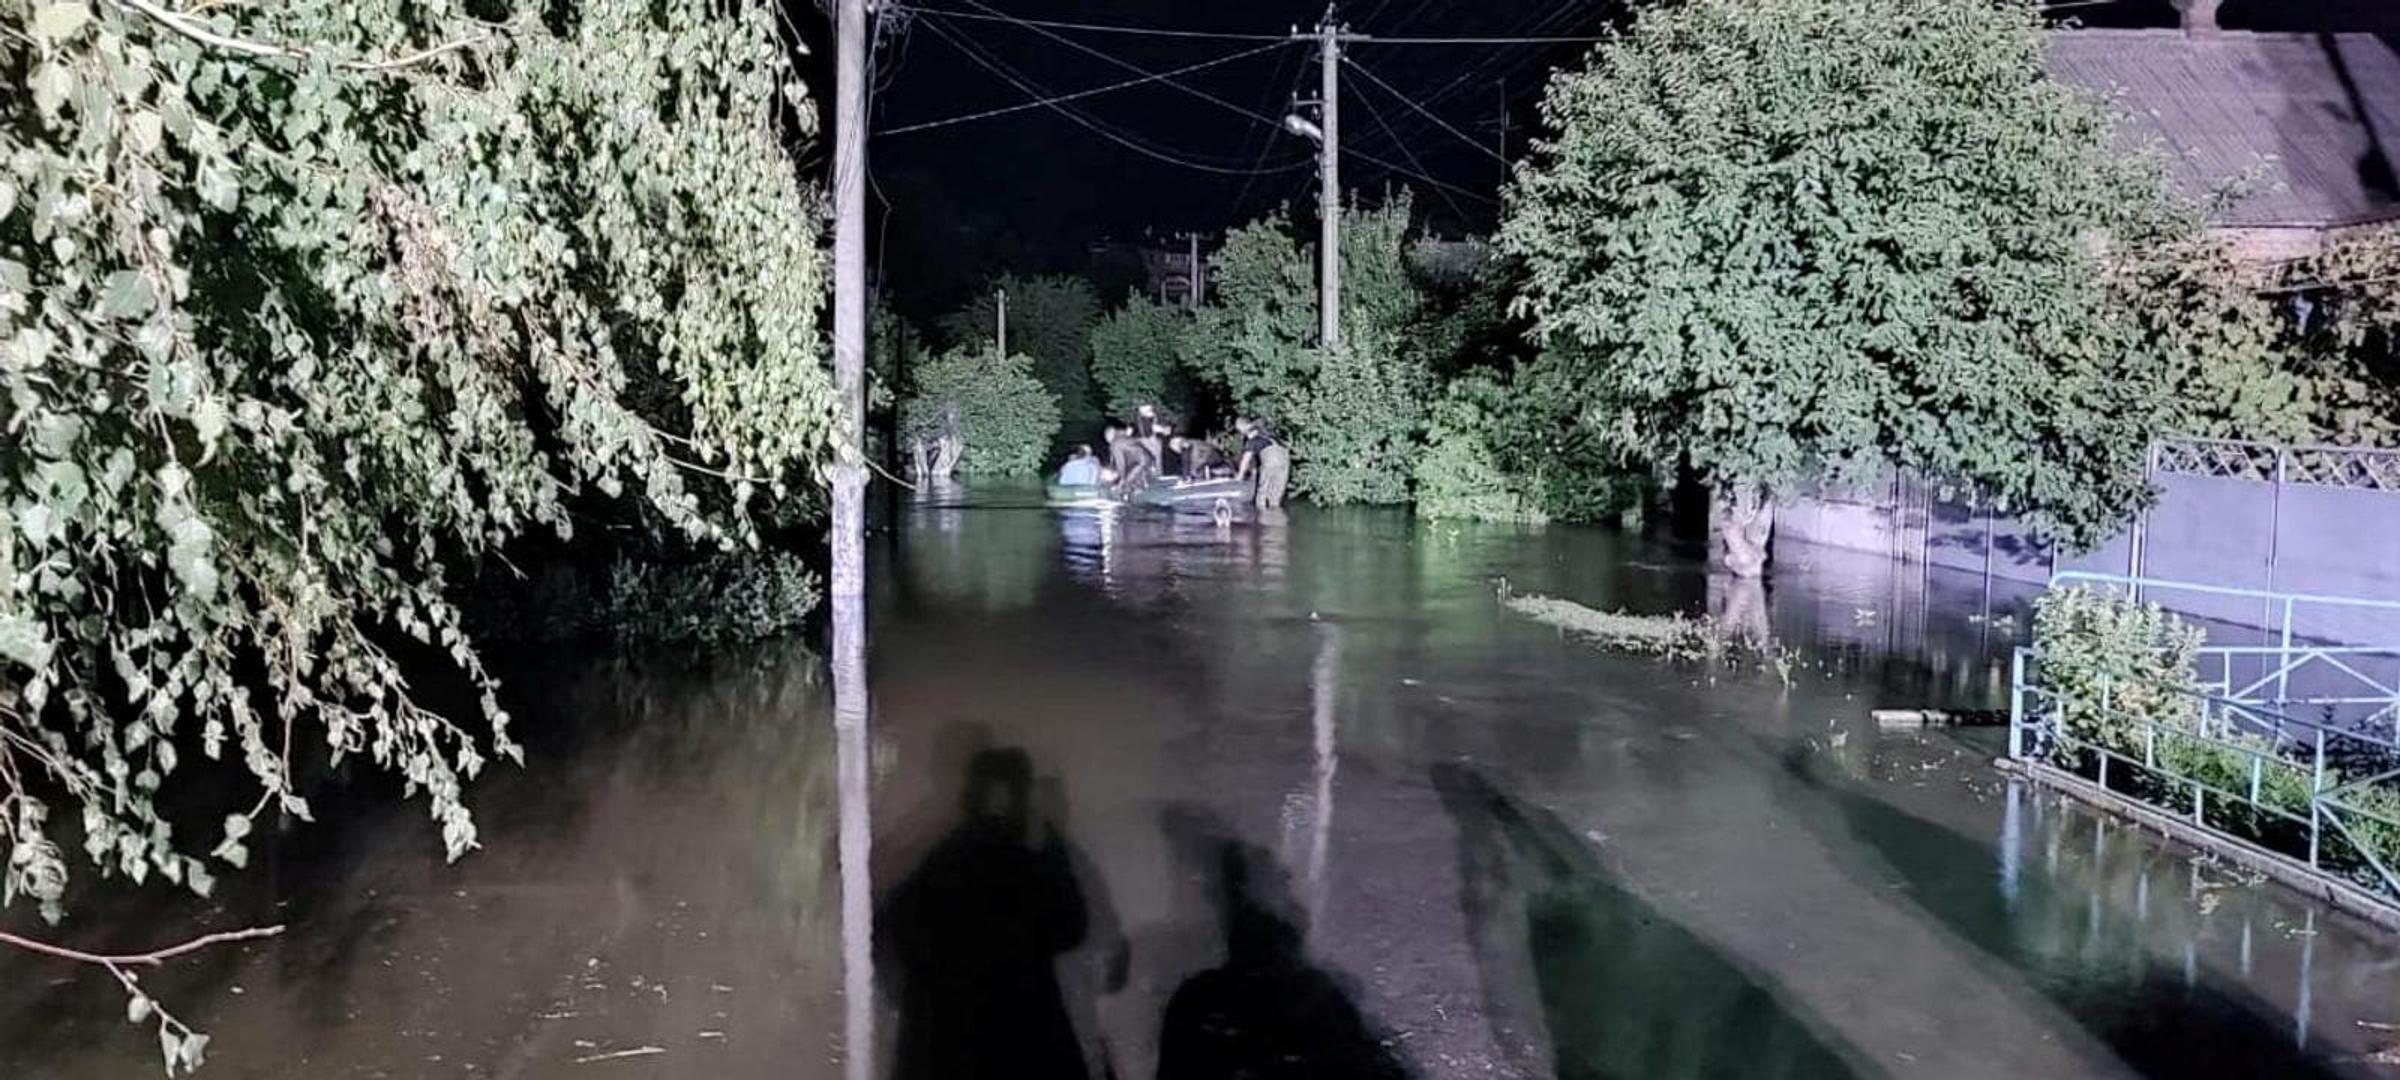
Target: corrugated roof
[2324, 107]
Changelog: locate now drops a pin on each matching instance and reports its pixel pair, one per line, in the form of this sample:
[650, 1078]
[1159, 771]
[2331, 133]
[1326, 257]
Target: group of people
[1149, 450]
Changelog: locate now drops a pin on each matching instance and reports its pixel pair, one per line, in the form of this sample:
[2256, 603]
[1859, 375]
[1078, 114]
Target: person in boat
[1171, 465]
[1146, 435]
[1201, 459]
[1081, 469]
[1266, 458]
[1129, 464]
[1145, 421]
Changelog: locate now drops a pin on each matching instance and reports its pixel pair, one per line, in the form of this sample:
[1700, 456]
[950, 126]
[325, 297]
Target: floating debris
[639, 1051]
[1680, 637]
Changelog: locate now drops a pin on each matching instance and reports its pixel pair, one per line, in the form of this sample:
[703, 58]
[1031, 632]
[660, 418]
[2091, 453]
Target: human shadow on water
[973, 936]
[1266, 1013]
[2155, 1021]
[1622, 990]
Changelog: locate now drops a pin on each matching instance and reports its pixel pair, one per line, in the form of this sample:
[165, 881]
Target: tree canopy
[306, 305]
[991, 408]
[1137, 358]
[1050, 319]
[1881, 245]
[1353, 417]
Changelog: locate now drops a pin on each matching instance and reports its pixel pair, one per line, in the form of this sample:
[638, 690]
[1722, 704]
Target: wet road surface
[1159, 797]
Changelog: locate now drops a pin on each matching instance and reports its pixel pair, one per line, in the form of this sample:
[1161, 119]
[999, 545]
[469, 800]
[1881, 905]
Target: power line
[1377, 115]
[992, 15]
[1266, 139]
[1095, 126]
[1272, 122]
[989, 15]
[1586, 39]
[1131, 66]
[1425, 112]
[1080, 94]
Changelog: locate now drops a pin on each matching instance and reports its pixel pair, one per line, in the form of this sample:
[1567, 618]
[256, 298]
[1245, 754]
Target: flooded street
[1155, 796]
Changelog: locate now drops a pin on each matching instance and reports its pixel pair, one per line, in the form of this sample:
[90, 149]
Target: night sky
[1034, 190]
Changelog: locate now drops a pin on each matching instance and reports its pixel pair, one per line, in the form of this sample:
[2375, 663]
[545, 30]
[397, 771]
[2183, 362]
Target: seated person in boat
[1201, 459]
[1081, 469]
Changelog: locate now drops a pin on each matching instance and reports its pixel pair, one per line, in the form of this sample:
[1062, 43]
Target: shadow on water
[2155, 1021]
[1266, 1012]
[973, 937]
[1623, 991]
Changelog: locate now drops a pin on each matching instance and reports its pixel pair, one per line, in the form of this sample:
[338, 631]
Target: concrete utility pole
[1192, 295]
[1329, 184]
[848, 539]
[1327, 131]
[1000, 330]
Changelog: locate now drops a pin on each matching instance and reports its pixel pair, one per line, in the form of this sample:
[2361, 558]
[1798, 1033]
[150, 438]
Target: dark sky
[1035, 189]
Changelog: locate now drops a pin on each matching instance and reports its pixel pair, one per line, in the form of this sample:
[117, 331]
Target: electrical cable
[989, 15]
[1128, 65]
[1377, 115]
[1095, 126]
[1425, 112]
[1079, 94]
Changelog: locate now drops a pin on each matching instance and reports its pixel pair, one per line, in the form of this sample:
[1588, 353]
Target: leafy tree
[1137, 358]
[1352, 418]
[1050, 318]
[1881, 245]
[1458, 474]
[980, 414]
[304, 304]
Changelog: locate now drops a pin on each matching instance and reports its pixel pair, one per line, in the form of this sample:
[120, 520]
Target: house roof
[2323, 110]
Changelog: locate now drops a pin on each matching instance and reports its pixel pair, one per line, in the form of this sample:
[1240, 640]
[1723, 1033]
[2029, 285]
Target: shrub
[2142, 661]
[1458, 475]
[994, 405]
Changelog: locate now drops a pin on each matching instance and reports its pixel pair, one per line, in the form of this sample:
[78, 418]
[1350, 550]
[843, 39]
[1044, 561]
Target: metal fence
[2292, 746]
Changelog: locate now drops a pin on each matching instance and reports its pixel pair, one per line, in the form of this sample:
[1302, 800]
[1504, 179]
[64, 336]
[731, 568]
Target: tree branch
[154, 957]
[196, 31]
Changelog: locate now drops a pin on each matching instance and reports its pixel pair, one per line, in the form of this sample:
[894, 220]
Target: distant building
[1148, 267]
[2312, 121]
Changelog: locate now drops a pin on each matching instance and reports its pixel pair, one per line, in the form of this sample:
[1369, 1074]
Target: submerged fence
[2289, 746]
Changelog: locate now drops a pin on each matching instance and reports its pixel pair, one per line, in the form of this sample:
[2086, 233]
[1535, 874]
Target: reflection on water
[1154, 796]
[655, 884]
[1624, 990]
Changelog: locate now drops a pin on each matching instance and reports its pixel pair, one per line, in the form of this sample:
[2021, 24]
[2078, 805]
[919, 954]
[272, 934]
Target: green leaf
[24, 641]
[56, 22]
[143, 130]
[127, 295]
[52, 83]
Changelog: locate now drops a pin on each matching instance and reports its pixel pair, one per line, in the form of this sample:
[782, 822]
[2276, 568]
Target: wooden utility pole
[1500, 129]
[848, 539]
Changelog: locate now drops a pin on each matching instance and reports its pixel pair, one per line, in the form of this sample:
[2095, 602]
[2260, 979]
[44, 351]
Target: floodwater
[1158, 797]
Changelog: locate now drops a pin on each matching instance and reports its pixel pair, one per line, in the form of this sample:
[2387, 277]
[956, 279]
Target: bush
[716, 598]
[1137, 358]
[2099, 646]
[1459, 476]
[994, 405]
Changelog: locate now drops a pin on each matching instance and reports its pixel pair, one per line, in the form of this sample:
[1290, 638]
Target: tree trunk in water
[946, 453]
[1741, 521]
[1739, 607]
[924, 464]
